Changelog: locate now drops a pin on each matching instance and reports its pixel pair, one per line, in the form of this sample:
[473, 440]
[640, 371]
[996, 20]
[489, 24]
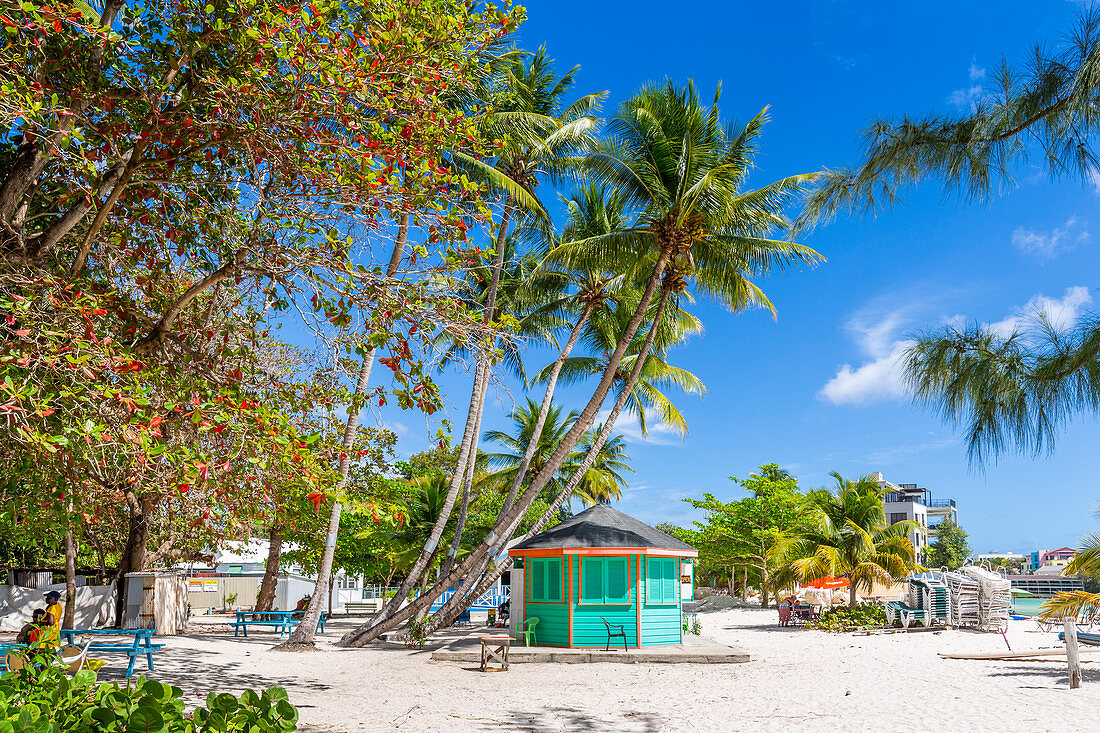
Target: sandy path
[798, 679]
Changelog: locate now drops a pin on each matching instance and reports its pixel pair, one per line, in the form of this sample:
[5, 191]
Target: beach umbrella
[828, 582]
[1021, 593]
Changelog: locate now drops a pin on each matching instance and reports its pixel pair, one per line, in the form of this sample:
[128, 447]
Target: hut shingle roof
[602, 526]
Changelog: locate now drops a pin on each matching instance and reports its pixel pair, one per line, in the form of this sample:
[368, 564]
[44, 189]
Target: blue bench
[142, 645]
[284, 621]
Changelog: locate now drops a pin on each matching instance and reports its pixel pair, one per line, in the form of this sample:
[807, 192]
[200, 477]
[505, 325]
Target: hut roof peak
[603, 526]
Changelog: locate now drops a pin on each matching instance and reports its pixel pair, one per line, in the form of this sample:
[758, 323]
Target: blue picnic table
[283, 621]
[142, 645]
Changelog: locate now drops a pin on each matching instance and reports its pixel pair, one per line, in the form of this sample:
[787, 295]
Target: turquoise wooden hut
[602, 564]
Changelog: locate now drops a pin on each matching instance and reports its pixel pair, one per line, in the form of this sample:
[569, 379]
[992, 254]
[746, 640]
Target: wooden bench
[360, 607]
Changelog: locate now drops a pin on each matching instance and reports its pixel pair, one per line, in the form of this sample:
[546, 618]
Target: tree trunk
[331, 582]
[133, 555]
[467, 487]
[469, 437]
[764, 596]
[306, 629]
[745, 584]
[509, 520]
[70, 580]
[265, 600]
[852, 595]
[450, 610]
[544, 408]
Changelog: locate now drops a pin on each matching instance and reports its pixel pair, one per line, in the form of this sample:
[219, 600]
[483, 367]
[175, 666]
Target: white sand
[798, 680]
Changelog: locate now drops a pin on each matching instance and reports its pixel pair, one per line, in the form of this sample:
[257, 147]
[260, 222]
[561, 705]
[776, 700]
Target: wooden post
[1073, 655]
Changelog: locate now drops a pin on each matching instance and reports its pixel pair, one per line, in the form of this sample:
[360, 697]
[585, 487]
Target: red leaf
[58, 26]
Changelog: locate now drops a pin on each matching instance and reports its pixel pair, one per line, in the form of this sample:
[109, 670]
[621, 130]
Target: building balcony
[942, 502]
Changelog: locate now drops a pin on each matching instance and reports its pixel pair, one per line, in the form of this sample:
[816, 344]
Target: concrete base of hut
[694, 650]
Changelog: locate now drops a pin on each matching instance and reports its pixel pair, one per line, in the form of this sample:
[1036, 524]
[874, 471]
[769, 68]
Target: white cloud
[876, 380]
[968, 97]
[1050, 244]
[880, 336]
[627, 423]
[965, 98]
[1061, 313]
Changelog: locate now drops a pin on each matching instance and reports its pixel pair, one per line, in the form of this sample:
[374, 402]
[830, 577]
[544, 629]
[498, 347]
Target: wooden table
[495, 648]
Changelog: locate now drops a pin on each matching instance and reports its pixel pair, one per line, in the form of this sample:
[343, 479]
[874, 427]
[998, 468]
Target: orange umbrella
[828, 583]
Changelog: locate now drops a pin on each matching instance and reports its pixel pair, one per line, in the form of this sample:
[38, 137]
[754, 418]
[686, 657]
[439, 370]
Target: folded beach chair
[1083, 637]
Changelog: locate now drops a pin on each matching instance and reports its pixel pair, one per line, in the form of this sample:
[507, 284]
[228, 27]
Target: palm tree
[684, 172]
[514, 444]
[526, 295]
[673, 160]
[657, 374]
[603, 481]
[539, 136]
[851, 538]
[1075, 604]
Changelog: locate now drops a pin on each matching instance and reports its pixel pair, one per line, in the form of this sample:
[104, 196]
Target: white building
[908, 502]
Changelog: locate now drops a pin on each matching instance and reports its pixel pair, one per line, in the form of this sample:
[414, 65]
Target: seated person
[24, 636]
[502, 613]
[46, 633]
[300, 609]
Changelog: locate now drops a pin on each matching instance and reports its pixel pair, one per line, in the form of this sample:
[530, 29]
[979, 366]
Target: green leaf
[145, 720]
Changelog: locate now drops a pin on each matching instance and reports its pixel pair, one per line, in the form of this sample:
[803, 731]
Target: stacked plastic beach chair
[964, 599]
[994, 598]
[928, 592]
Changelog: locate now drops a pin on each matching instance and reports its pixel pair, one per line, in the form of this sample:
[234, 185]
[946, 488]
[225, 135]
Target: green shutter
[553, 581]
[538, 580]
[670, 578]
[661, 579]
[652, 580]
[592, 574]
[617, 587]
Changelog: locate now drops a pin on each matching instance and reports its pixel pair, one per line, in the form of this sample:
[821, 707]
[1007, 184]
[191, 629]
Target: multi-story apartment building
[908, 501]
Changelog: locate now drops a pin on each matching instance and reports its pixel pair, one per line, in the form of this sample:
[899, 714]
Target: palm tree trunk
[448, 614]
[369, 631]
[544, 409]
[306, 629]
[469, 439]
[467, 487]
[852, 595]
[265, 599]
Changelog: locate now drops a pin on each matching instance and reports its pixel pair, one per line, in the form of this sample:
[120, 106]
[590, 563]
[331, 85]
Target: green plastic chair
[527, 629]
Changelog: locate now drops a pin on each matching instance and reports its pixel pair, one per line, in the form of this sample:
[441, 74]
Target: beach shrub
[845, 618]
[42, 698]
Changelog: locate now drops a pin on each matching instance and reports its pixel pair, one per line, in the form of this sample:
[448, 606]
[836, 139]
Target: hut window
[605, 580]
[546, 580]
[661, 580]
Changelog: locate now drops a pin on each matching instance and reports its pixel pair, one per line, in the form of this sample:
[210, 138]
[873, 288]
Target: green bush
[42, 698]
[844, 618]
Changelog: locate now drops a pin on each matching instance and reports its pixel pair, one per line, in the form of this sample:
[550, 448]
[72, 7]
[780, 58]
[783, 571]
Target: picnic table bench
[283, 621]
[360, 607]
[142, 645]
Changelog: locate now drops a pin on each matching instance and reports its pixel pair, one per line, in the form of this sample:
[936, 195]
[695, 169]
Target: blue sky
[815, 390]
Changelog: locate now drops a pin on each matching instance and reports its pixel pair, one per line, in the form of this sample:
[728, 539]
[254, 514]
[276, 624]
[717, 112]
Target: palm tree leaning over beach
[851, 539]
